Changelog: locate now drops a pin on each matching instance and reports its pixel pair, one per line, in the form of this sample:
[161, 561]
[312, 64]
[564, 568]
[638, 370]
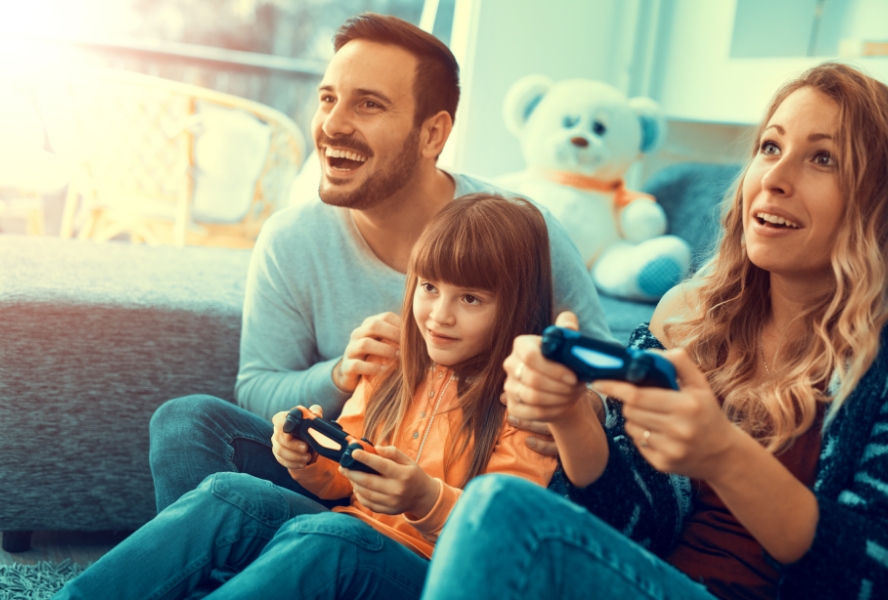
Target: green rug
[35, 582]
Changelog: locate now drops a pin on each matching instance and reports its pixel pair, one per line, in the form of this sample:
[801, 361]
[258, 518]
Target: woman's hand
[536, 388]
[290, 451]
[683, 432]
[378, 335]
[401, 486]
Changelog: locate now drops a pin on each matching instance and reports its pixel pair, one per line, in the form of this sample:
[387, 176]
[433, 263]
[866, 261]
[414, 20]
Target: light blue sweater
[313, 279]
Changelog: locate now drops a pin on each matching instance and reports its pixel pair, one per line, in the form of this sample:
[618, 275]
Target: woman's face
[792, 203]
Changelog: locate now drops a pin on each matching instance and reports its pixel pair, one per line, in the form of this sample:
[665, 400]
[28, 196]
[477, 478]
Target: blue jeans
[508, 538]
[270, 542]
[196, 436]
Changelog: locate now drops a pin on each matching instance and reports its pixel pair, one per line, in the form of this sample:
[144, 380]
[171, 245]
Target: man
[387, 104]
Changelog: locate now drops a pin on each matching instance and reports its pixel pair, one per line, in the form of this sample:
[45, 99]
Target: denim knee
[339, 532]
[174, 415]
[226, 495]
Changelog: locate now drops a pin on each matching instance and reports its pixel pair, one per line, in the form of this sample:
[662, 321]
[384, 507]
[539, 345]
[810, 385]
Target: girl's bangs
[459, 256]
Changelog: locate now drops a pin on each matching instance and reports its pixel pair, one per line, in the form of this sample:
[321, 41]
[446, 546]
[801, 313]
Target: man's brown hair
[436, 82]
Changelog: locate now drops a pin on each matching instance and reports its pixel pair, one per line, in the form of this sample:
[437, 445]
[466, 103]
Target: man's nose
[337, 121]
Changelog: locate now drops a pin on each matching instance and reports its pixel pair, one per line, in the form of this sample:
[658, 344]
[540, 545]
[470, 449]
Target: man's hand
[401, 486]
[378, 335]
[291, 452]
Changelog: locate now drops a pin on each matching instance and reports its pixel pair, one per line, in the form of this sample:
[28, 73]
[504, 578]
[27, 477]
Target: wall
[499, 41]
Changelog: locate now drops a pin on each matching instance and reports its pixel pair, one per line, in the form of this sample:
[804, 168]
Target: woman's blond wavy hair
[731, 295]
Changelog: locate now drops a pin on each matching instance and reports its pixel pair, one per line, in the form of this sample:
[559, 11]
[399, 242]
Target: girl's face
[791, 196]
[454, 321]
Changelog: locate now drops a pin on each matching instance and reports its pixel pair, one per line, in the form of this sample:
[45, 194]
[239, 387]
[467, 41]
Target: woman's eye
[769, 148]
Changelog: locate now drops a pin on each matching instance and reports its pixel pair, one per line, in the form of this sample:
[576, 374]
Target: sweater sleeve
[631, 496]
[849, 555]
[574, 289]
[278, 353]
[511, 456]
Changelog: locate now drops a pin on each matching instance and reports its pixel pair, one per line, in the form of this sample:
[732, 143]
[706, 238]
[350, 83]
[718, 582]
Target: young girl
[478, 277]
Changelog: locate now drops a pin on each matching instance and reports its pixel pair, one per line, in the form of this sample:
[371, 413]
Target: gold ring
[645, 437]
[519, 371]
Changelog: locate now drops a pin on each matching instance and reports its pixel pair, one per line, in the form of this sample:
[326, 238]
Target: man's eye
[371, 104]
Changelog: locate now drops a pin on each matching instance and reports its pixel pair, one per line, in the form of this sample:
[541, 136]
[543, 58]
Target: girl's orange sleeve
[511, 456]
[322, 478]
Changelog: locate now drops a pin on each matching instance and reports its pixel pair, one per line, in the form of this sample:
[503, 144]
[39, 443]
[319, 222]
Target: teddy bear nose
[579, 141]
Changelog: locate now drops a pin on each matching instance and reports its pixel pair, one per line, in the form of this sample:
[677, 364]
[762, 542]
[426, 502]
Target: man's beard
[381, 184]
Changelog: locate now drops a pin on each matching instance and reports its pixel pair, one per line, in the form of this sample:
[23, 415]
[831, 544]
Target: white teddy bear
[578, 138]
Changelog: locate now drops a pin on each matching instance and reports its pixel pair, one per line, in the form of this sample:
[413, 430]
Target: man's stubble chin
[379, 186]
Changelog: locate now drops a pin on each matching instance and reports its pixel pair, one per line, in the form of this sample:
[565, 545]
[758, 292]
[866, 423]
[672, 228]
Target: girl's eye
[570, 121]
[824, 159]
[470, 299]
[427, 287]
[769, 147]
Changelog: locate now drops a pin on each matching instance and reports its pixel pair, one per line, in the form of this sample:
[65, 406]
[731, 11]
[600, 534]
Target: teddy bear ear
[521, 99]
[653, 123]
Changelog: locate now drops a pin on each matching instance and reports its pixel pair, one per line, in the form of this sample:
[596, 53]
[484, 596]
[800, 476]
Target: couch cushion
[95, 336]
[691, 195]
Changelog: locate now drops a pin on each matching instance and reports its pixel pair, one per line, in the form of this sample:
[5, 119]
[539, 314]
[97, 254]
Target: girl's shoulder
[678, 304]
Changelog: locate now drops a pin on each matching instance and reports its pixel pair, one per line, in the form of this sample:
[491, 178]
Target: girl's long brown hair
[484, 242]
[732, 300]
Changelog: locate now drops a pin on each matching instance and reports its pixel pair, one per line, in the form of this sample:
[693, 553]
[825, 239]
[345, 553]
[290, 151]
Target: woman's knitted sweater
[849, 555]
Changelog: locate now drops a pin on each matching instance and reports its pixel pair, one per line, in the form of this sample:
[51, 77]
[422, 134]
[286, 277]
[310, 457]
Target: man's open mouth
[344, 160]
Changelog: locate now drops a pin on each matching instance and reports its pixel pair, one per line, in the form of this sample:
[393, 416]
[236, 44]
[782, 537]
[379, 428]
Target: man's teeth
[334, 153]
[774, 219]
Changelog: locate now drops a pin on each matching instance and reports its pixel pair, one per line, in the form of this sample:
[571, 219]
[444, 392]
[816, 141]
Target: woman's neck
[792, 297]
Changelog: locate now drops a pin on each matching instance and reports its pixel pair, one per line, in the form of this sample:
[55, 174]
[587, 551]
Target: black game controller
[593, 359]
[327, 438]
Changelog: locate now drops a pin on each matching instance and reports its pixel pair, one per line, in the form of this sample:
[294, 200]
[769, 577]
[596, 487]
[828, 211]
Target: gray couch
[94, 337]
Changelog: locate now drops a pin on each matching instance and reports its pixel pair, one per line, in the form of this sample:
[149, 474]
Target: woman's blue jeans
[196, 436]
[508, 538]
[269, 543]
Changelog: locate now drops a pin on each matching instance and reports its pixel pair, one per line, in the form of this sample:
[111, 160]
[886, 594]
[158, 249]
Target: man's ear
[434, 133]
[521, 100]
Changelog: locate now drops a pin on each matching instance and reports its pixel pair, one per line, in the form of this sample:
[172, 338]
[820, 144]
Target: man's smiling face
[364, 128]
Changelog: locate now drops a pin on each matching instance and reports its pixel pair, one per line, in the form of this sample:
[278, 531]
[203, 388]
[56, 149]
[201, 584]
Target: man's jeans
[270, 542]
[197, 436]
[508, 538]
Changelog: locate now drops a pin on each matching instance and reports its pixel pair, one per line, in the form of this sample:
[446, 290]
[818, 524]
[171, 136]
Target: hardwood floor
[80, 546]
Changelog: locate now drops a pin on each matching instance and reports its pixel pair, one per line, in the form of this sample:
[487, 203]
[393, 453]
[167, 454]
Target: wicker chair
[142, 146]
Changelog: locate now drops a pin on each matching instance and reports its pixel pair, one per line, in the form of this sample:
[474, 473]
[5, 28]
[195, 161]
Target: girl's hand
[538, 389]
[683, 432]
[378, 335]
[401, 486]
[291, 452]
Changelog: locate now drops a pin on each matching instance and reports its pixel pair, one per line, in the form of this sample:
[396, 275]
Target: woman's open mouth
[769, 220]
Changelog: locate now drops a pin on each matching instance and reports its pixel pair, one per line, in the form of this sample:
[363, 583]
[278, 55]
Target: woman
[767, 474]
